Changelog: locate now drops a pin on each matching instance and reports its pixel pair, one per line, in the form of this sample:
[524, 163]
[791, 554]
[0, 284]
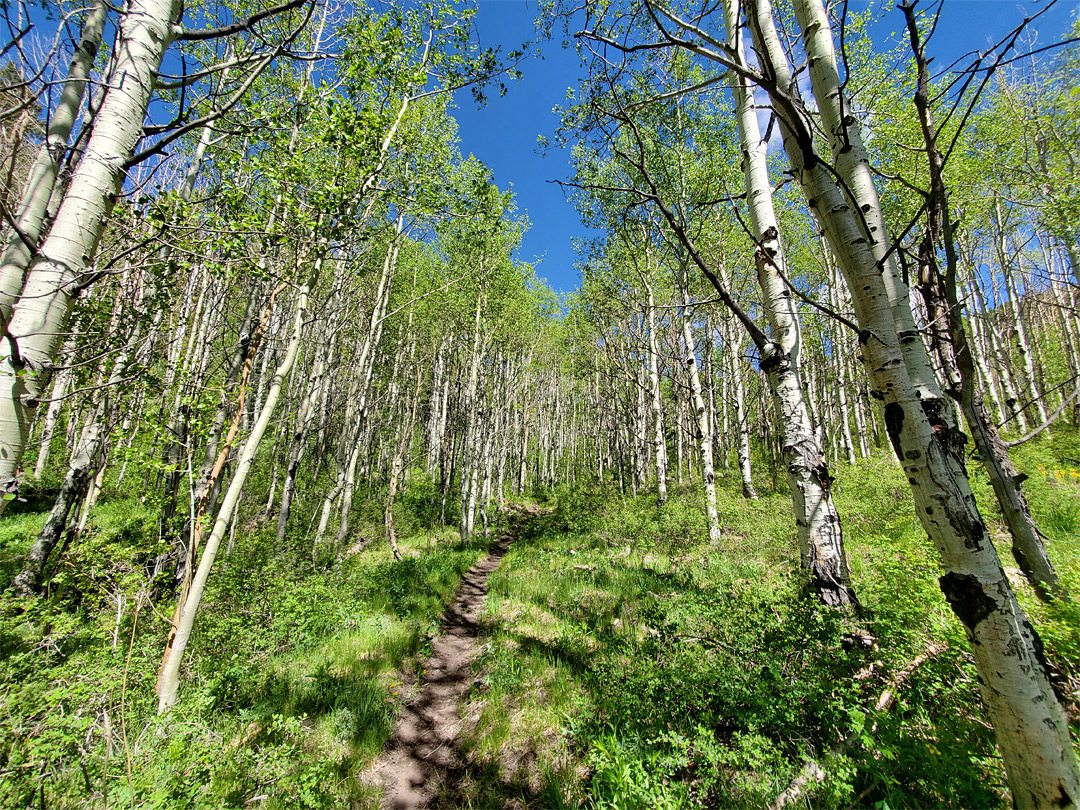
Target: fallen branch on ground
[811, 772]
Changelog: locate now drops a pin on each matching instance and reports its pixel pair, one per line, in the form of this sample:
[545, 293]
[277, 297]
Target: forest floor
[598, 652]
[423, 758]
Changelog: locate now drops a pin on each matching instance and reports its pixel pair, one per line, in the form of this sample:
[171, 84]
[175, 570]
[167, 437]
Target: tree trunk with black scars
[40, 315]
[821, 543]
[949, 339]
[28, 581]
[40, 186]
[1030, 723]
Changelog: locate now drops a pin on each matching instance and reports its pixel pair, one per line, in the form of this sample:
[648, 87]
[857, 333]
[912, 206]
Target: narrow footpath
[423, 749]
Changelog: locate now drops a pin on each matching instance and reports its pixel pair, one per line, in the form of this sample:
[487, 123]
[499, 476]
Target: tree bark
[40, 315]
[169, 681]
[1031, 727]
[704, 433]
[41, 182]
[954, 350]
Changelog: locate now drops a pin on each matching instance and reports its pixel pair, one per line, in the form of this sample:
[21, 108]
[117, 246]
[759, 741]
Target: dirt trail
[423, 747]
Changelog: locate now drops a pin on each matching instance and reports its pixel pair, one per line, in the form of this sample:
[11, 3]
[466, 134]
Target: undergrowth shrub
[287, 688]
[700, 675]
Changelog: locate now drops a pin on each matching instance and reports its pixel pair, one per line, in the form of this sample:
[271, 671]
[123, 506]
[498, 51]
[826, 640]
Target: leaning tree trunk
[28, 581]
[40, 316]
[169, 681]
[31, 214]
[955, 351]
[305, 417]
[1030, 723]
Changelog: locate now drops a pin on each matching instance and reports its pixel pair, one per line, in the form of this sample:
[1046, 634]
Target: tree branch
[181, 35]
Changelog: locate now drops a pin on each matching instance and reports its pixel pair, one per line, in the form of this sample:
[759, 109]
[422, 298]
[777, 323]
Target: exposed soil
[423, 752]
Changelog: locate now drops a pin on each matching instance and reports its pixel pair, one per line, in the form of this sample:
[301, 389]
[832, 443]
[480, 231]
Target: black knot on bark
[1063, 799]
[967, 598]
[951, 439]
[820, 471]
[894, 425]
[771, 357]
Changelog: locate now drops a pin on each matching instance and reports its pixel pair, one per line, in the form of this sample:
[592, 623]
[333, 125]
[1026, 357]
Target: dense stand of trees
[658, 146]
[249, 276]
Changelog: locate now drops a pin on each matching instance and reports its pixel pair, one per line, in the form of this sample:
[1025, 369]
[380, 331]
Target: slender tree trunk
[742, 422]
[169, 681]
[704, 433]
[40, 316]
[470, 409]
[1018, 322]
[821, 545]
[304, 419]
[659, 445]
[56, 404]
[42, 179]
[365, 369]
[399, 463]
[1000, 355]
[73, 489]
[955, 351]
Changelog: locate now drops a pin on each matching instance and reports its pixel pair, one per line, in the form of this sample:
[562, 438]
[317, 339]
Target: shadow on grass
[485, 785]
[734, 677]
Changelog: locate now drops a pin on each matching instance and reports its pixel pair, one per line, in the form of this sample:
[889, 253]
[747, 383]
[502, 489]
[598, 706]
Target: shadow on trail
[422, 765]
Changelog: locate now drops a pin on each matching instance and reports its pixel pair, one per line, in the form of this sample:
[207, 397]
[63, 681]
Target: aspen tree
[704, 433]
[1029, 722]
[39, 316]
[1033, 404]
[41, 182]
[955, 351]
[820, 537]
[169, 680]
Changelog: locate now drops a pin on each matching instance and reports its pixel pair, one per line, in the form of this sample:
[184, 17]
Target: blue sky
[504, 136]
[504, 133]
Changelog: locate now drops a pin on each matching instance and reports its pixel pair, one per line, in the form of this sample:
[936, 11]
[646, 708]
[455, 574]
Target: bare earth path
[422, 750]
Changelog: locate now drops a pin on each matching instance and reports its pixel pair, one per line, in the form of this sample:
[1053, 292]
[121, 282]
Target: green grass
[625, 661]
[293, 677]
[631, 663]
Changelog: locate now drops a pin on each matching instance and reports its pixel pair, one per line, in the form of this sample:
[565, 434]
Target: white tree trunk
[659, 445]
[470, 408]
[41, 181]
[704, 431]
[169, 682]
[821, 548]
[852, 162]
[1031, 727]
[40, 315]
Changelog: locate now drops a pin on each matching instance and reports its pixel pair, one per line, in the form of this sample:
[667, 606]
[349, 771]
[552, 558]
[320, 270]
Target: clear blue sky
[504, 136]
[504, 133]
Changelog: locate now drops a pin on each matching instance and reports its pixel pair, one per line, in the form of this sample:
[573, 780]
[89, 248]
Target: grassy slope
[627, 663]
[296, 668]
[630, 665]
